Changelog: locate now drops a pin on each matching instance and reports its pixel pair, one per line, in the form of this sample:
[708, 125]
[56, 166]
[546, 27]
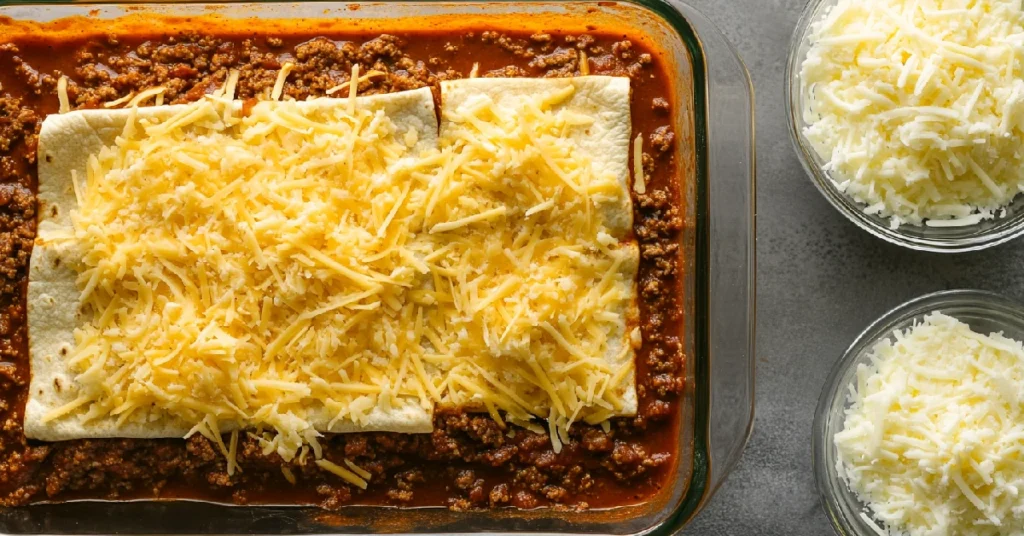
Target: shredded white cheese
[933, 442]
[917, 106]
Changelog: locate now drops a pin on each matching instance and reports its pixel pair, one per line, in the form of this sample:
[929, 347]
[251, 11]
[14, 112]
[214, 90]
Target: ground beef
[662, 138]
[499, 495]
[17, 123]
[17, 232]
[660, 105]
[469, 461]
[525, 500]
[559, 58]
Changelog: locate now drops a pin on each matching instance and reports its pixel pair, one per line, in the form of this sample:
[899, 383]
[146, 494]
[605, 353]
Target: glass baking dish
[715, 100]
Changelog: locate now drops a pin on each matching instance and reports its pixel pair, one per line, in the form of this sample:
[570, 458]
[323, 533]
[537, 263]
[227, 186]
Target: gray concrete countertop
[820, 281]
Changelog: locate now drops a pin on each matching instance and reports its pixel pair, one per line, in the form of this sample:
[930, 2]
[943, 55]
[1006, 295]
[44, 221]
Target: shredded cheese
[117, 102]
[231, 84]
[62, 95]
[289, 475]
[344, 474]
[639, 180]
[521, 304]
[917, 106]
[353, 89]
[146, 94]
[282, 76]
[363, 473]
[933, 440]
[344, 85]
[298, 260]
[229, 286]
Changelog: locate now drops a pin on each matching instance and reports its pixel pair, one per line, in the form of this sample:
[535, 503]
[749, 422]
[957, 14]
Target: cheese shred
[344, 474]
[363, 473]
[345, 85]
[62, 95]
[117, 102]
[282, 76]
[639, 181]
[143, 95]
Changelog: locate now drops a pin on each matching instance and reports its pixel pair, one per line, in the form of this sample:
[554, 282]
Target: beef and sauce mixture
[469, 461]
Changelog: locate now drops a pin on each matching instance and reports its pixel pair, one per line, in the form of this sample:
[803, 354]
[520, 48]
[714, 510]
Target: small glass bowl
[985, 312]
[918, 237]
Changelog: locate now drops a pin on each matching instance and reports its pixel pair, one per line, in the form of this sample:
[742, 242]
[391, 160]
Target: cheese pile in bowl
[932, 442]
[917, 106]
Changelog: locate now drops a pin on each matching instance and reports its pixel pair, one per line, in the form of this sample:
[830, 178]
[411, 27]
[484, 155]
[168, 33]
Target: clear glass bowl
[985, 312]
[939, 239]
[714, 98]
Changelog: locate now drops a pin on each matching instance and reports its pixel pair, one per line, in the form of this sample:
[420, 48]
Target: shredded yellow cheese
[241, 287]
[358, 470]
[344, 474]
[253, 272]
[282, 75]
[353, 89]
[62, 95]
[639, 181]
[146, 94]
[288, 475]
[530, 294]
[345, 85]
[117, 102]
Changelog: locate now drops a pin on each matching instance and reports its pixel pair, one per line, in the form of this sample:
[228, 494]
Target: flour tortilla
[607, 143]
[65, 143]
[620, 344]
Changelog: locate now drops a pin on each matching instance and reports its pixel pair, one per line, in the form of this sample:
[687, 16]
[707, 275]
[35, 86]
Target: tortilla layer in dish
[605, 142]
[66, 142]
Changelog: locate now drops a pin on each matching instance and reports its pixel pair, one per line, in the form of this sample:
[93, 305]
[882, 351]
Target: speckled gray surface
[820, 281]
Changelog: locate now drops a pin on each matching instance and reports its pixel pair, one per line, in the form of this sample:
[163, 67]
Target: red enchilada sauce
[468, 461]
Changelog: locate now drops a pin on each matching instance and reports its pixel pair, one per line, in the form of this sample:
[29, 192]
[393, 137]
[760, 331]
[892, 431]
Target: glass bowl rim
[849, 208]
